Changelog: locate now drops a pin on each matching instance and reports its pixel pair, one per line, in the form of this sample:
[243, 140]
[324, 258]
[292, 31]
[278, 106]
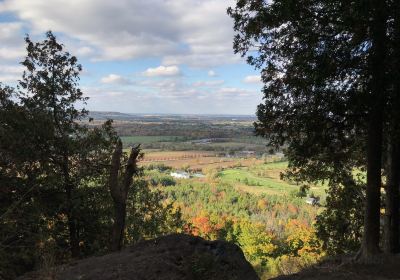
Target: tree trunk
[392, 222]
[119, 226]
[392, 215]
[73, 232]
[119, 192]
[72, 221]
[370, 243]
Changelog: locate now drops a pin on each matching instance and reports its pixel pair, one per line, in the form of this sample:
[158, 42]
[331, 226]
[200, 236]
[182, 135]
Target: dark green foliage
[324, 65]
[163, 180]
[160, 167]
[340, 225]
[311, 106]
[313, 79]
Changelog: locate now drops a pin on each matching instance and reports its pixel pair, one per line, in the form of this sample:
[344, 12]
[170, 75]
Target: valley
[227, 184]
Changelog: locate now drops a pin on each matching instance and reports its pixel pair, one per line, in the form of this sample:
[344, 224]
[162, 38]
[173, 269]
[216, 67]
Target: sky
[139, 56]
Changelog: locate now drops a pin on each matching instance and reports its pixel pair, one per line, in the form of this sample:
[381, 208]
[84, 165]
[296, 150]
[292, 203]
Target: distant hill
[102, 115]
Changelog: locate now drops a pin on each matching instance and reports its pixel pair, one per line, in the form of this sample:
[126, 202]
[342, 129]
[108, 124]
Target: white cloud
[198, 36]
[12, 69]
[212, 73]
[12, 42]
[208, 83]
[230, 90]
[114, 79]
[173, 95]
[194, 33]
[162, 71]
[233, 92]
[8, 53]
[8, 31]
[85, 51]
[10, 73]
[252, 79]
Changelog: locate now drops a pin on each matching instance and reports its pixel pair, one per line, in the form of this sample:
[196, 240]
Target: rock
[176, 256]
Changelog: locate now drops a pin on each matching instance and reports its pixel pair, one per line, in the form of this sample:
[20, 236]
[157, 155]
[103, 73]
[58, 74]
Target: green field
[264, 178]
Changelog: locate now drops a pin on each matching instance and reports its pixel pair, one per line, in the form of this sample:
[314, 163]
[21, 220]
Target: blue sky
[153, 56]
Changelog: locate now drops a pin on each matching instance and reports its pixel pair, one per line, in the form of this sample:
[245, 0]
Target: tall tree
[392, 211]
[323, 67]
[74, 153]
[376, 106]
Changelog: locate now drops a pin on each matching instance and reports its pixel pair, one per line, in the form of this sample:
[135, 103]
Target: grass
[264, 178]
[248, 181]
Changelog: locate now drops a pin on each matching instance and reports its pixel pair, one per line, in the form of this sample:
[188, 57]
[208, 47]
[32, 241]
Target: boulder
[176, 256]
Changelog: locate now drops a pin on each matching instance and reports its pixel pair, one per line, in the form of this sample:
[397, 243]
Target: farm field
[253, 175]
[194, 160]
[265, 178]
[129, 140]
[221, 146]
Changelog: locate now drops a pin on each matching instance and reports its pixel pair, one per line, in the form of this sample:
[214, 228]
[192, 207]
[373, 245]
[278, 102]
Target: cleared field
[264, 178]
[195, 160]
[248, 181]
[175, 155]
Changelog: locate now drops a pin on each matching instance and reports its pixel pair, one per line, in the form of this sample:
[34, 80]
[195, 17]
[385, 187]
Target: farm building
[199, 175]
[312, 200]
[180, 175]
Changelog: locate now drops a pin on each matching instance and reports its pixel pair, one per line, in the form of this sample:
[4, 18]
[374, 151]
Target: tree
[324, 71]
[339, 226]
[39, 137]
[19, 214]
[55, 169]
[392, 212]
[370, 244]
[71, 152]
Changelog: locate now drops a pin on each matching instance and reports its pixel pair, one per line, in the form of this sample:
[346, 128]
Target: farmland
[221, 134]
[223, 146]
[233, 188]
[128, 140]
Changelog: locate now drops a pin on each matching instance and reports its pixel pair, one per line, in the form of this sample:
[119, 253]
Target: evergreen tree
[324, 67]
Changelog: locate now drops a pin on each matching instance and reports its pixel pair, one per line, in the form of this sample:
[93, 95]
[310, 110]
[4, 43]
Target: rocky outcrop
[176, 256]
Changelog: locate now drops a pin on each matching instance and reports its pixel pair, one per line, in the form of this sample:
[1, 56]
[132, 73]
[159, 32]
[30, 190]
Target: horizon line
[173, 114]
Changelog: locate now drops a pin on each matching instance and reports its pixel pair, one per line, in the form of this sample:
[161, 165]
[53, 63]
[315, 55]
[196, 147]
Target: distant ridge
[104, 115]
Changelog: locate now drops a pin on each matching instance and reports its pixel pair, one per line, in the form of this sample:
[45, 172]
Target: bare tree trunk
[119, 192]
[370, 243]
